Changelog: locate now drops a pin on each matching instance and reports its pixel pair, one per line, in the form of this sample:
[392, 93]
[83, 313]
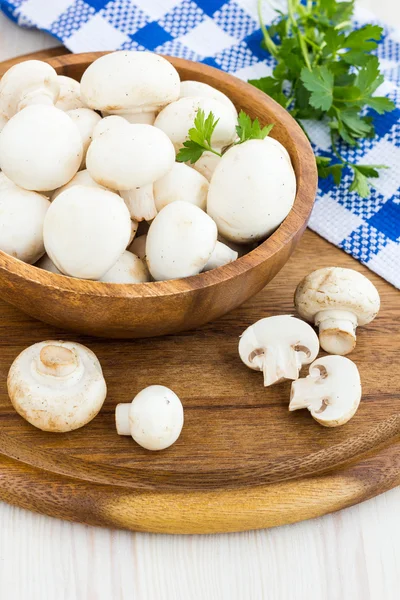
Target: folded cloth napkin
[226, 35]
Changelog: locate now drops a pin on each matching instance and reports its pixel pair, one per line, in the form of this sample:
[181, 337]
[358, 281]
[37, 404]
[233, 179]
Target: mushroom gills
[278, 362]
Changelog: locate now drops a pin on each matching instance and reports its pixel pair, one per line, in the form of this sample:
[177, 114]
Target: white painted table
[350, 555]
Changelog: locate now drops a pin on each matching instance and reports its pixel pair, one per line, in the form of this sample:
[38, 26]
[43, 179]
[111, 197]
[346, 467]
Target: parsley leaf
[251, 130]
[319, 82]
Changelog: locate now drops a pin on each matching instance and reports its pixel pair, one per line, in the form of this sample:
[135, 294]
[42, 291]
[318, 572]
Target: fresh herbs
[200, 135]
[325, 71]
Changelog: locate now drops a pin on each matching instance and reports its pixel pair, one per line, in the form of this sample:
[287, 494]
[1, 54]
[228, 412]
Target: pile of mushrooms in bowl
[137, 202]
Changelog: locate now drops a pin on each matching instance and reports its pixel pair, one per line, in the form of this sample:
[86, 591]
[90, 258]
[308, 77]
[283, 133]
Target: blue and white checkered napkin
[226, 35]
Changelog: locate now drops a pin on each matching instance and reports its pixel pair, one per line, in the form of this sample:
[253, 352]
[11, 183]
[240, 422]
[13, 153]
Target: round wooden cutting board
[243, 461]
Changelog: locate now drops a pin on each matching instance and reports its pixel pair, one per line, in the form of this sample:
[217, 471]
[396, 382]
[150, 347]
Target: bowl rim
[293, 224]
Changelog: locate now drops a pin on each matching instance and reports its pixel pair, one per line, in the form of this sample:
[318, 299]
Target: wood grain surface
[158, 308]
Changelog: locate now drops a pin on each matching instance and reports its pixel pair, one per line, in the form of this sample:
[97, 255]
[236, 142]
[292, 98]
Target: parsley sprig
[326, 71]
[203, 127]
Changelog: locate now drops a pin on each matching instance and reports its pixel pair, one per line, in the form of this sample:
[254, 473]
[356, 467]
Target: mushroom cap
[81, 178]
[57, 386]
[47, 264]
[180, 241]
[336, 288]
[86, 230]
[40, 148]
[271, 331]
[23, 81]
[178, 117]
[126, 81]
[252, 190]
[196, 89]
[86, 120]
[156, 417]
[221, 255]
[207, 163]
[129, 268]
[138, 246]
[21, 224]
[69, 97]
[181, 183]
[331, 391]
[127, 157]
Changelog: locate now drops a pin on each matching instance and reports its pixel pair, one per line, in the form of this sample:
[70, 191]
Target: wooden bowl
[151, 309]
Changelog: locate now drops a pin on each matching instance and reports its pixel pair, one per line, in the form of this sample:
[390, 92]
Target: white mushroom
[251, 191]
[40, 148]
[138, 246]
[21, 223]
[181, 183]
[331, 392]
[278, 346]
[86, 230]
[221, 255]
[154, 418]
[29, 82]
[81, 178]
[129, 158]
[180, 241]
[47, 264]
[197, 89]
[86, 120]
[132, 84]
[57, 386]
[337, 300]
[69, 97]
[207, 163]
[177, 118]
[128, 269]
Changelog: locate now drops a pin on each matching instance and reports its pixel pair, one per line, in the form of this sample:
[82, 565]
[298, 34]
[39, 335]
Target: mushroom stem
[337, 331]
[140, 202]
[122, 419]
[57, 361]
[305, 394]
[280, 362]
[221, 255]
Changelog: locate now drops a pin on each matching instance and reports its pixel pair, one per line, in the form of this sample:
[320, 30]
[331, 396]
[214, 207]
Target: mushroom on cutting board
[129, 268]
[21, 224]
[181, 183]
[40, 148]
[331, 391]
[86, 120]
[57, 386]
[27, 83]
[154, 418]
[337, 300]
[278, 346]
[86, 230]
[178, 117]
[129, 158]
[195, 89]
[134, 85]
[180, 241]
[252, 190]
[69, 97]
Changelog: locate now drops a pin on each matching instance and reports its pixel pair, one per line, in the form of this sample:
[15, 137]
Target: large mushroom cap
[86, 230]
[129, 81]
[57, 386]
[40, 148]
[252, 190]
[331, 391]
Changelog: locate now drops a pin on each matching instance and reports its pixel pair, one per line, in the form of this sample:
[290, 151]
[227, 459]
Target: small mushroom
[27, 83]
[69, 97]
[86, 120]
[331, 392]
[221, 255]
[129, 158]
[207, 163]
[154, 418]
[337, 300]
[177, 118]
[129, 268]
[180, 241]
[21, 224]
[278, 346]
[131, 84]
[181, 183]
[198, 89]
[81, 178]
[138, 246]
[47, 264]
[57, 386]
[251, 191]
[86, 230]
[40, 148]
